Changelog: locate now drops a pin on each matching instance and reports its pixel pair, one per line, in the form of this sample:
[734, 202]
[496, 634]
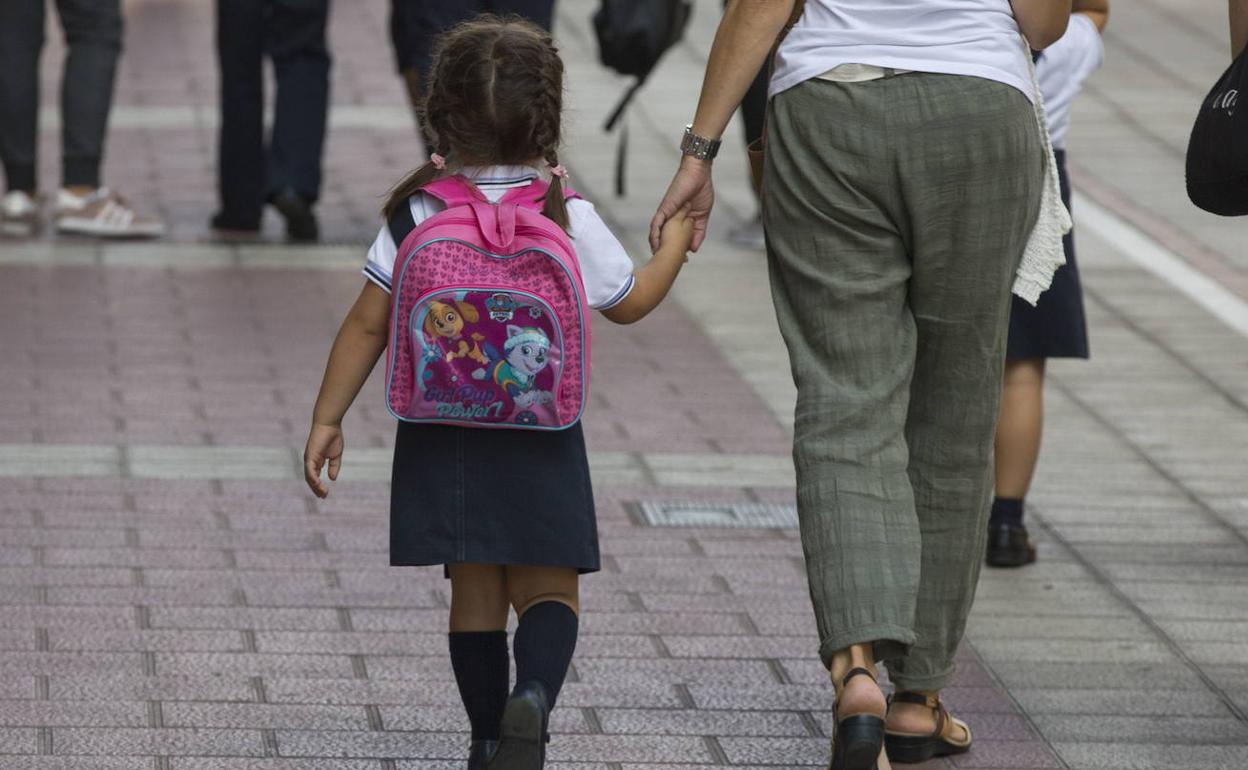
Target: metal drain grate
[735, 515]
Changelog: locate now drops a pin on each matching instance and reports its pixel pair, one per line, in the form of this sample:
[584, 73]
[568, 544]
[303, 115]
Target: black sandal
[909, 747]
[859, 737]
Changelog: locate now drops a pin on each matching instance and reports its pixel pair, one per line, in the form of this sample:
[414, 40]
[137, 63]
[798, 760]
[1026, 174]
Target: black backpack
[632, 36]
[1217, 153]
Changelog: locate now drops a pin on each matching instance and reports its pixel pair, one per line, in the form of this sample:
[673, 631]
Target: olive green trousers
[896, 212]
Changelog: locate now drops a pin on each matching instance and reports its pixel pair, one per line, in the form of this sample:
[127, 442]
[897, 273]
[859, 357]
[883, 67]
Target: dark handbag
[632, 37]
[1217, 153]
[757, 149]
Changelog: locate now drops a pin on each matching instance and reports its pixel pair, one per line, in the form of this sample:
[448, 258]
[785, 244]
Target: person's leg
[295, 39]
[546, 600]
[971, 147]
[839, 276]
[93, 31]
[546, 603]
[21, 41]
[540, 12]
[240, 154]
[753, 113]
[415, 26]
[478, 644]
[1017, 443]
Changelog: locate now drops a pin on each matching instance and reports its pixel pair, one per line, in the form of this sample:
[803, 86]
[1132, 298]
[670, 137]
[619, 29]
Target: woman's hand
[325, 444]
[691, 188]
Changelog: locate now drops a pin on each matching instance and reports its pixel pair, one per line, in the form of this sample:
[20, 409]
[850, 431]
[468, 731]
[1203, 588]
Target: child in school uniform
[1055, 327]
[508, 511]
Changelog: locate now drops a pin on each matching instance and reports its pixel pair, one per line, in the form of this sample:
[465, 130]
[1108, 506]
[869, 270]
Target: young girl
[1055, 327]
[509, 512]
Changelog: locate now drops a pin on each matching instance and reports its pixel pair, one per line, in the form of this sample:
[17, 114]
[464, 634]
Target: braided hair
[495, 96]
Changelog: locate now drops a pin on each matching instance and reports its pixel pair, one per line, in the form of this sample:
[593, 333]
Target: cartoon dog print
[525, 354]
[447, 322]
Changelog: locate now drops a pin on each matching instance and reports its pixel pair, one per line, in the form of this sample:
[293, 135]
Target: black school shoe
[1009, 545]
[301, 225]
[479, 754]
[524, 737]
[234, 223]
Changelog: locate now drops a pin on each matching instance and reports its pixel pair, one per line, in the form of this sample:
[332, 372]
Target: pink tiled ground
[197, 624]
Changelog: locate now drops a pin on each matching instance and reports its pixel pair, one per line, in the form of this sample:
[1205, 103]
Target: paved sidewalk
[175, 599]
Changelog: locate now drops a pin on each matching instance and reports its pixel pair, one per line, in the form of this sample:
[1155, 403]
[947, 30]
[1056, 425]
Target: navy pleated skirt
[480, 496]
[1056, 326]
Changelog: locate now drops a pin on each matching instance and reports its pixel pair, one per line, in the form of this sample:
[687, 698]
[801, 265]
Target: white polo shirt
[1062, 68]
[979, 38]
[605, 266]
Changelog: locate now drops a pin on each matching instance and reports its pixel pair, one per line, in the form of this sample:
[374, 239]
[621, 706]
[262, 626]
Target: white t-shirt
[605, 266]
[979, 38]
[1063, 67]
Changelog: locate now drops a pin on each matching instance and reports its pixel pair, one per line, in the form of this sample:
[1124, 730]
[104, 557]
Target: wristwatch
[698, 146]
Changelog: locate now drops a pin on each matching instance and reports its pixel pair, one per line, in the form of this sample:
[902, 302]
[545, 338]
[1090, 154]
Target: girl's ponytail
[409, 186]
[554, 207]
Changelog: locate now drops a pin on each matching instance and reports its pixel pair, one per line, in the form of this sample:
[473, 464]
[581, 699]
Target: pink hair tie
[559, 171]
[438, 161]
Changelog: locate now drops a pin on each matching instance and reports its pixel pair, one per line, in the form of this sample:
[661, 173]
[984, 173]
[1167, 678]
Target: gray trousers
[93, 35]
[896, 212]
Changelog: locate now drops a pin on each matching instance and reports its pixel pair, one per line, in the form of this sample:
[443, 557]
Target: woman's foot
[919, 727]
[859, 712]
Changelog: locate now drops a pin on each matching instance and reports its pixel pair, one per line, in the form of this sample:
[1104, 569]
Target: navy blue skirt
[479, 496]
[1056, 326]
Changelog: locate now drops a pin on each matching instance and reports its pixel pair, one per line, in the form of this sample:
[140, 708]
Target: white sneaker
[19, 214]
[749, 235]
[104, 214]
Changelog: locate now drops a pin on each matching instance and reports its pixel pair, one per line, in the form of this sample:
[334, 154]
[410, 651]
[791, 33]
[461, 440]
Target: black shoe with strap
[859, 737]
[1009, 545]
[524, 736]
[941, 742]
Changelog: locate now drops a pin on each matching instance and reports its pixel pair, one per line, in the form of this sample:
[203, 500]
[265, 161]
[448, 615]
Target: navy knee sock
[1007, 510]
[482, 672]
[543, 644]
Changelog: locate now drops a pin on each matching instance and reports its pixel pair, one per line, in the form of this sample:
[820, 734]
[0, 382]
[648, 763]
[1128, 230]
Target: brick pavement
[174, 599]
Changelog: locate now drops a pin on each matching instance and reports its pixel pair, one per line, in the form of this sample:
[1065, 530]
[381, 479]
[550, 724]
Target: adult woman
[903, 177]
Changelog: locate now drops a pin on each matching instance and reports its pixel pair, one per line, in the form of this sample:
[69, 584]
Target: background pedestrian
[287, 172]
[416, 24]
[1055, 327]
[93, 34]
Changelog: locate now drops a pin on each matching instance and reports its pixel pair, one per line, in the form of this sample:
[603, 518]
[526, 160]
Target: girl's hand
[325, 444]
[677, 232]
[690, 188]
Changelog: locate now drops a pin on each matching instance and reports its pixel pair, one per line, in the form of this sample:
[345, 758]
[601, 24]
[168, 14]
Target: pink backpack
[489, 324]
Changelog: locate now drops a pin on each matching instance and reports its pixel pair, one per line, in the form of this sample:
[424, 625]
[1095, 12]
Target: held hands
[325, 444]
[691, 189]
[677, 233]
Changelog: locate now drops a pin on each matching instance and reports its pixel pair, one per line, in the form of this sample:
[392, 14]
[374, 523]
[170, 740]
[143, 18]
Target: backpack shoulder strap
[453, 191]
[401, 223]
[533, 196]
